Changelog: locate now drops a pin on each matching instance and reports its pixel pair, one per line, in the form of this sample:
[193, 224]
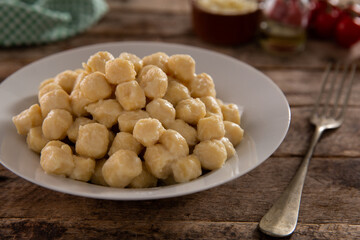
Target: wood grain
[331, 185]
[56, 229]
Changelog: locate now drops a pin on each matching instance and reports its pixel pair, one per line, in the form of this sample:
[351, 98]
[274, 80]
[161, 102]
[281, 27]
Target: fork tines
[335, 90]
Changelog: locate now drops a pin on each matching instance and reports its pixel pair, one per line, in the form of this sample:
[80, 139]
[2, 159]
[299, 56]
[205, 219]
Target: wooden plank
[339, 142]
[330, 195]
[315, 57]
[94, 229]
[301, 87]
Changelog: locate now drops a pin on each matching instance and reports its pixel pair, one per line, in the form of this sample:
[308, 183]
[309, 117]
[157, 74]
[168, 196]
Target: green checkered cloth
[28, 22]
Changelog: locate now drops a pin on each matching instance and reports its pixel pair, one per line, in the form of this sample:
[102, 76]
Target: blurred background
[256, 32]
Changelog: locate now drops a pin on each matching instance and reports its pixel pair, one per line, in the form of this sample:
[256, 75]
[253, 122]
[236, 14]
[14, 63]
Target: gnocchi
[56, 99]
[83, 168]
[92, 141]
[131, 122]
[190, 110]
[202, 85]
[97, 62]
[121, 168]
[182, 66]
[128, 119]
[36, 140]
[210, 128]
[73, 130]
[144, 180]
[154, 82]
[95, 86]
[158, 161]
[57, 160]
[211, 153]
[56, 124]
[105, 112]
[148, 131]
[158, 59]
[138, 63]
[119, 70]
[126, 141]
[28, 119]
[66, 80]
[186, 168]
[176, 92]
[162, 110]
[130, 95]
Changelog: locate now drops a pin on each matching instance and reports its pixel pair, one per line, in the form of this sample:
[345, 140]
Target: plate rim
[151, 197]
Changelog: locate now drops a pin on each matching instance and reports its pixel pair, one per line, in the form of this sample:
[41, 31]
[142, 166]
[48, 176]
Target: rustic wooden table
[330, 206]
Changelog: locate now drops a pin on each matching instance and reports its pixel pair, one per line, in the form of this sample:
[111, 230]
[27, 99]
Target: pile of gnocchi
[131, 122]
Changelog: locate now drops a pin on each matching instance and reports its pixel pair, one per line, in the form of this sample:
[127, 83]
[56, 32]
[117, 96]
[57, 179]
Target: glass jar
[283, 27]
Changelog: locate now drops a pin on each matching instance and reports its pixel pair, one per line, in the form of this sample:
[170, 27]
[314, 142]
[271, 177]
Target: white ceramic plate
[265, 119]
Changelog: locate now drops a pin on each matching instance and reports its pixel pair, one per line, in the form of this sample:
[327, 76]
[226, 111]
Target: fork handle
[281, 219]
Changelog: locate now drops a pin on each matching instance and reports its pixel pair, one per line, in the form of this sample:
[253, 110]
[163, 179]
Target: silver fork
[328, 113]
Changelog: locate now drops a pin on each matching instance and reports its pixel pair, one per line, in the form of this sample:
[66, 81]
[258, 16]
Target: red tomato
[316, 6]
[325, 22]
[347, 31]
[294, 14]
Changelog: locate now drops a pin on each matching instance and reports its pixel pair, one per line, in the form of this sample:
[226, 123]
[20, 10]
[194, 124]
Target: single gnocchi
[231, 113]
[210, 128]
[230, 150]
[95, 86]
[83, 168]
[92, 141]
[57, 160]
[148, 131]
[176, 92]
[174, 143]
[105, 112]
[162, 110]
[130, 95]
[154, 82]
[56, 124]
[119, 70]
[66, 80]
[158, 161]
[212, 107]
[56, 99]
[202, 86]
[190, 110]
[121, 168]
[182, 66]
[36, 140]
[97, 62]
[233, 132]
[28, 119]
[211, 153]
[186, 168]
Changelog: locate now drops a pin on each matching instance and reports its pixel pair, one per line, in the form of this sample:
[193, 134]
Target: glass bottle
[283, 27]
